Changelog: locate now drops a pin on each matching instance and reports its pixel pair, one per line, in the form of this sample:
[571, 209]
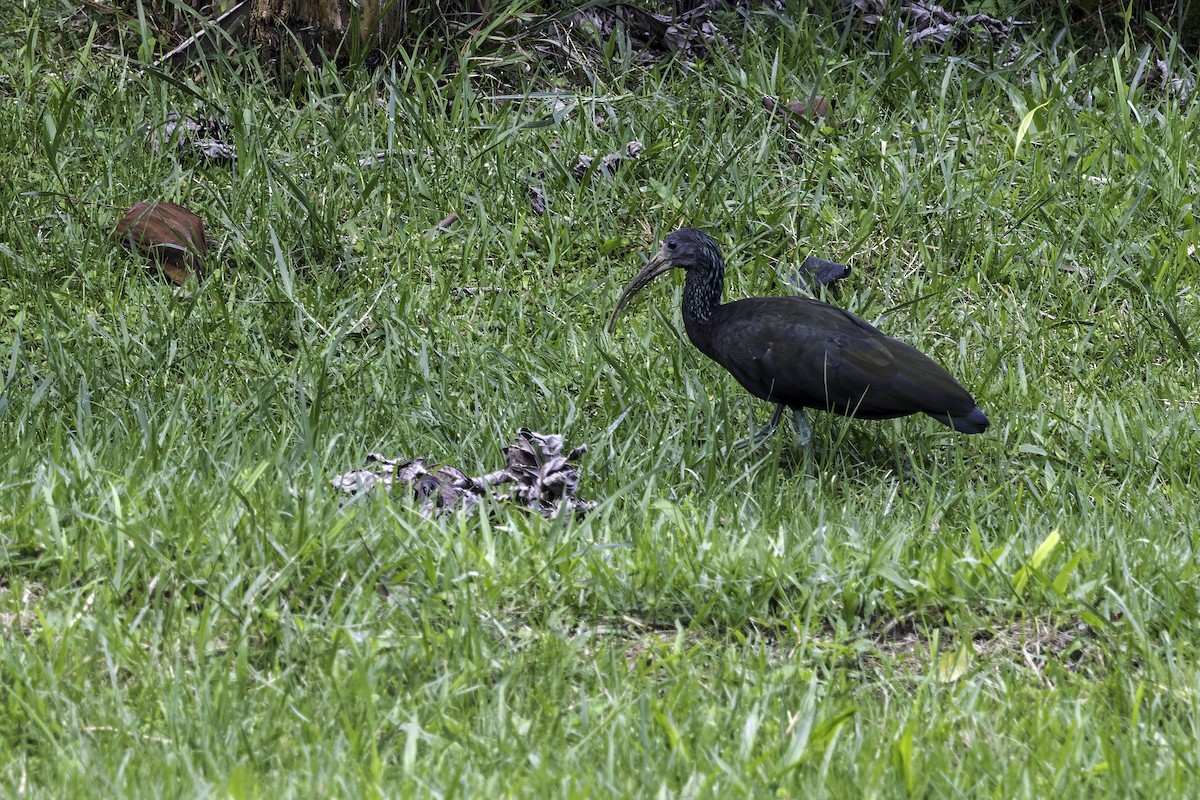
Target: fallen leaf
[168, 235]
[801, 111]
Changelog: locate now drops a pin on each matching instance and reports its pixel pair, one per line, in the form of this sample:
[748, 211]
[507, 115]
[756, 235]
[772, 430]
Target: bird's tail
[974, 422]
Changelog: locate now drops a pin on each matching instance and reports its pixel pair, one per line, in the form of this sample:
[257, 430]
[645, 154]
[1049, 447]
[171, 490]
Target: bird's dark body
[802, 353]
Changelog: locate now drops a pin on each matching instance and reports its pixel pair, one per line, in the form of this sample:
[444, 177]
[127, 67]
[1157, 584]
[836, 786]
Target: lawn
[189, 608]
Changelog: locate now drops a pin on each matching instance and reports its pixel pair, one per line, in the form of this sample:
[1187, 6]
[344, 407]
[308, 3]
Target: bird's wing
[802, 352]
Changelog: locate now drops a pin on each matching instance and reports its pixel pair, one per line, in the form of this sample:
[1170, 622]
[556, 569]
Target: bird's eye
[672, 244]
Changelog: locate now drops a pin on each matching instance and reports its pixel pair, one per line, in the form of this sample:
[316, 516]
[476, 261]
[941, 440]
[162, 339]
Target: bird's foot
[803, 429]
[763, 433]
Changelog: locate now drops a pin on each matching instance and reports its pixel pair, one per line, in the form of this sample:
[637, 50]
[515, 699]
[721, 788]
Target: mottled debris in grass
[536, 476]
[925, 24]
[1180, 85]
[475, 291]
[1032, 643]
[608, 163]
[654, 36]
[645, 650]
[19, 614]
[203, 137]
[582, 164]
[537, 198]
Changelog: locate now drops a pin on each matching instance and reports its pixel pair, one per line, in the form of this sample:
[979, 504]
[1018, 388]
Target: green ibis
[801, 353]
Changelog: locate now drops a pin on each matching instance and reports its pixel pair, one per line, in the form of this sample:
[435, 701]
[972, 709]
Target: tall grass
[187, 607]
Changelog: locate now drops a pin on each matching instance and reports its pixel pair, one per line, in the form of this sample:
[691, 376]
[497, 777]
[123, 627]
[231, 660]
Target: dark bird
[801, 353]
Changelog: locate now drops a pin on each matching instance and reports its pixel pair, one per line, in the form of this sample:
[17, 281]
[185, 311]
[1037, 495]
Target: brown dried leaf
[166, 234]
[799, 112]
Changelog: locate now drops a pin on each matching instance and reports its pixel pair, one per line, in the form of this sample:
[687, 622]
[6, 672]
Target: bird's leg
[763, 433]
[803, 429]
[772, 423]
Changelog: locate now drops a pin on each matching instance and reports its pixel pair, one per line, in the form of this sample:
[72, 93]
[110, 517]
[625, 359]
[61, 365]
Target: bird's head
[686, 248]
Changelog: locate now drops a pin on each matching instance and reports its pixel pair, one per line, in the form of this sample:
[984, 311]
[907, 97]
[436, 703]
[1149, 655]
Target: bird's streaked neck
[702, 288]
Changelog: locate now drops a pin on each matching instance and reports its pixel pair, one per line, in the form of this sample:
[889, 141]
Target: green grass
[188, 608]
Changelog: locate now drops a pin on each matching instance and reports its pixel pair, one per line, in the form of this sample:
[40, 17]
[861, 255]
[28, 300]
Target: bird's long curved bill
[655, 267]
